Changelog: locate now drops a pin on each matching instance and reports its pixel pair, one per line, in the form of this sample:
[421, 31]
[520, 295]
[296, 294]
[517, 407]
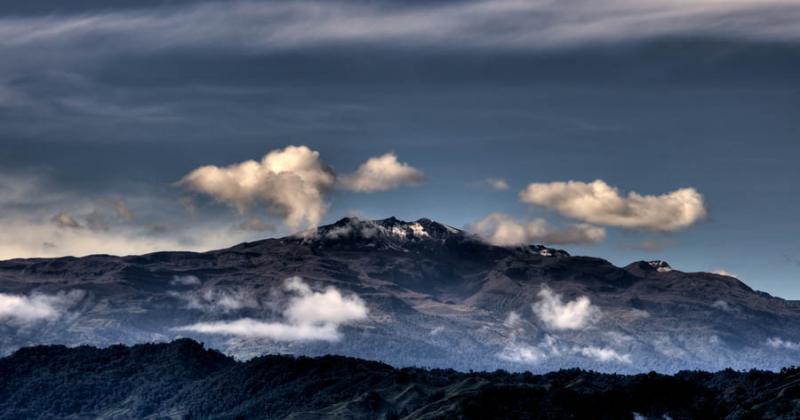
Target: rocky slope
[435, 296]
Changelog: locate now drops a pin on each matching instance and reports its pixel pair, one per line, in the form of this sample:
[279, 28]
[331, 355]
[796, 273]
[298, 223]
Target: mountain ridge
[434, 296]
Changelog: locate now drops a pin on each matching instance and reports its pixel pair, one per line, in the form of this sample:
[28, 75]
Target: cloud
[497, 184]
[722, 305]
[310, 315]
[328, 306]
[293, 182]
[600, 203]
[187, 280]
[522, 353]
[513, 320]
[290, 182]
[21, 309]
[64, 220]
[123, 210]
[558, 315]
[722, 272]
[382, 173]
[779, 343]
[484, 24]
[603, 354]
[215, 299]
[503, 230]
[255, 224]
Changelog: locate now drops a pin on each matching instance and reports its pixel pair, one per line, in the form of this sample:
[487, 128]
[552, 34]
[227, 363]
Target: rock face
[436, 296]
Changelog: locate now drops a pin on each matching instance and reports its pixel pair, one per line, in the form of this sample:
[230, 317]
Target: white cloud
[22, 309]
[558, 315]
[328, 306]
[382, 173]
[187, 280]
[309, 315]
[497, 184]
[779, 343]
[513, 320]
[216, 299]
[603, 354]
[722, 305]
[600, 203]
[482, 24]
[290, 182]
[722, 272]
[503, 230]
[522, 353]
[278, 331]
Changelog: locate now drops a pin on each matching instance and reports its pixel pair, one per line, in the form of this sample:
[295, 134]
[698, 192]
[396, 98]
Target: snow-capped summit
[393, 233]
[660, 266]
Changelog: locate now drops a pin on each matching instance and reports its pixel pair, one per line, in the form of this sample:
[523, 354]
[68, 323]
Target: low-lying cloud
[309, 316]
[26, 309]
[503, 230]
[599, 203]
[215, 299]
[779, 343]
[559, 315]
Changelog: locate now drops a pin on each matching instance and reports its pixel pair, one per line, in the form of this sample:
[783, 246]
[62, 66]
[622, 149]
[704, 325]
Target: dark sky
[104, 107]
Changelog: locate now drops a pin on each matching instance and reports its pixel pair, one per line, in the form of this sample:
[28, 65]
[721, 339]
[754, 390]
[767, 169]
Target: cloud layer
[600, 203]
[309, 316]
[503, 230]
[22, 309]
[507, 24]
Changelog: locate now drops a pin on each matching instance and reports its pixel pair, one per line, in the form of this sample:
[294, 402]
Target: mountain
[183, 380]
[408, 294]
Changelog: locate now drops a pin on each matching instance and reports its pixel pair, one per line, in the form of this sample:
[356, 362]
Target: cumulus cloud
[522, 353]
[600, 203]
[22, 309]
[559, 315]
[382, 173]
[290, 182]
[779, 343]
[503, 230]
[309, 315]
[550, 346]
[603, 354]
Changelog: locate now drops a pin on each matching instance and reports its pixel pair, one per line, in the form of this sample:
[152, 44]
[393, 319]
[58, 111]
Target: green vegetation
[184, 380]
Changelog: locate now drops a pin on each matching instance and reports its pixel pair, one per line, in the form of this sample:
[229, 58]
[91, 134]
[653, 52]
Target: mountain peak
[660, 266]
[392, 231]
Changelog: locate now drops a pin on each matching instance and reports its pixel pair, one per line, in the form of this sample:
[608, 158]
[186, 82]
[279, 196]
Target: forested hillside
[182, 379]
